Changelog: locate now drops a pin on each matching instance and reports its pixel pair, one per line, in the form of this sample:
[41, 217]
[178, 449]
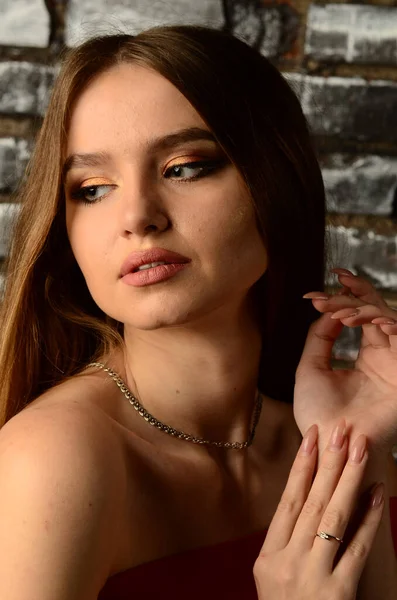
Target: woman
[172, 219]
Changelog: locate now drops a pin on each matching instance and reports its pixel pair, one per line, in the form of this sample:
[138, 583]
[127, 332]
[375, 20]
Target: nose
[143, 210]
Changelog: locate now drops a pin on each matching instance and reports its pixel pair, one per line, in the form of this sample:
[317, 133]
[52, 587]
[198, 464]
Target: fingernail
[383, 321]
[358, 450]
[338, 436]
[309, 440]
[377, 495]
[348, 316]
[353, 314]
[323, 297]
[343, 272]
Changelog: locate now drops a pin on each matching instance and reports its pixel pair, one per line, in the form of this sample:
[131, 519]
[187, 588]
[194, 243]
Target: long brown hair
[50, 326]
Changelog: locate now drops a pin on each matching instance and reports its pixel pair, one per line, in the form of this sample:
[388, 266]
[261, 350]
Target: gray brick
[260, 26]
[371, 255]
[24, 87]
[14, 155]
[357, 184]
[352, 33]
[8, 212]
[348, 107]
[347, 345]
[363, 251]
[94, 17]
[24, 23]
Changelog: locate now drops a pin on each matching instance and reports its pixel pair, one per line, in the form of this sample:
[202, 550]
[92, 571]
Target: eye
[190, 171]
[91, 193]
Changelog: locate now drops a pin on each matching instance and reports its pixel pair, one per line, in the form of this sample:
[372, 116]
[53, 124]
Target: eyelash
[206, 168]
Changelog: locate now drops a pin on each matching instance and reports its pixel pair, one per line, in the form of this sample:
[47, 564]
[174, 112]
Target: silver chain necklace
[176, 432]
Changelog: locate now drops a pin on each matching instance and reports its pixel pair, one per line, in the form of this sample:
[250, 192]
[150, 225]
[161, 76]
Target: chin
[163, 312]
[156, 320]
[151, 324]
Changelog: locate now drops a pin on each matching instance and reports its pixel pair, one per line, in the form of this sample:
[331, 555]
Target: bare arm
[56, 507]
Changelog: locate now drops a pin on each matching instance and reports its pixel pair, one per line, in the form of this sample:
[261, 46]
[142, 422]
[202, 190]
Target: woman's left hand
[365, 396]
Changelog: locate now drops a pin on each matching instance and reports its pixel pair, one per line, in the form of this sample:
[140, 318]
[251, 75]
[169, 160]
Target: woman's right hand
[296, 564]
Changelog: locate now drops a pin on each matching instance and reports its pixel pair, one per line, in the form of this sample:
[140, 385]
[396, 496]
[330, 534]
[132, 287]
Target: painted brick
[24, 87]
[95, 17]
[24, 23]
[263, 27]
[14, 155]
[355, 184]
[352, 33]
[8, 212]
[348, 107]
[364, 252]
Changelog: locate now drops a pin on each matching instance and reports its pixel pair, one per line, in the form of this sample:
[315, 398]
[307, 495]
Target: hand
[294, 563]
[366, 395]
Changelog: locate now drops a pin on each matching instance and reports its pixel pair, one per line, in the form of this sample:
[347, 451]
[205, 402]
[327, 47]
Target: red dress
[209, 573]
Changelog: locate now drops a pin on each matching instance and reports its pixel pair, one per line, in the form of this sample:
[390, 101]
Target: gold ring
[328, 536]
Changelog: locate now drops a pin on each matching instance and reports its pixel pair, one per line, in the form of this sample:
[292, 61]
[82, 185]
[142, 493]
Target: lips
[144, 257]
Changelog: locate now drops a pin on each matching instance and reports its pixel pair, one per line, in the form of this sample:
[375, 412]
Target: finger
[320, 339]
[372, 334]
[358, 316]
[389, 328]
[324, 484]
[341, 506]
[294, 495]
[331, 303]
[361, 288]
[352, 562]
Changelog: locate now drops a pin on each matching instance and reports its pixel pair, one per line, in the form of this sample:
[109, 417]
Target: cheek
[85, 242]
[248, 253]
[229, 241]
[238, 232]
[73, 224]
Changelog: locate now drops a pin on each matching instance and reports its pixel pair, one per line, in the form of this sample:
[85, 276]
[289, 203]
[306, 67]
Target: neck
[200, 378]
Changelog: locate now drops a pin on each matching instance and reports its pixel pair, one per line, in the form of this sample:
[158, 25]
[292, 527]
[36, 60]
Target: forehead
[128, 102]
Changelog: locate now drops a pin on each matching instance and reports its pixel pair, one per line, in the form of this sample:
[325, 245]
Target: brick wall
[340, 57]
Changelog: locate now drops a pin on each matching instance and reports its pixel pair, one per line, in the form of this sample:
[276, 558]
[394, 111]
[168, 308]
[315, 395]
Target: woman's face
[146, 174]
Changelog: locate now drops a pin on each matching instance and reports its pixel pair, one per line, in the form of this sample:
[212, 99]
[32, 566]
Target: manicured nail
[379, 321]
[309, 440]
[318, 297]
[343, 272]
[358, 450]
[377, 495]
[353, 314]
[338, 436]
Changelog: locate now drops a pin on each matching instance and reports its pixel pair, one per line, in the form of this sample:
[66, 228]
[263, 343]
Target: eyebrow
[95, 159]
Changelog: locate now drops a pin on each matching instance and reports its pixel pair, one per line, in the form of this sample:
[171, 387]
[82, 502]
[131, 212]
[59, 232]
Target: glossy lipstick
[131, 276]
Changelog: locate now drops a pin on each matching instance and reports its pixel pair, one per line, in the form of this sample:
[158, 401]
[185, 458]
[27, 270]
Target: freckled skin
[210, 220]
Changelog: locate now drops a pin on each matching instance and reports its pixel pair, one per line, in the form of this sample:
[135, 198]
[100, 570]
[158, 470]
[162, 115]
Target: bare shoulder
[58, 497]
